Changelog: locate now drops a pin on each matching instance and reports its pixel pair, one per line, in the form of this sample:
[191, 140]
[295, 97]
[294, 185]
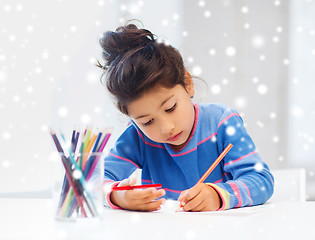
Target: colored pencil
[212, 167]
[67, 167]
[97, 157]
[65, 185]
[74, 193]
[88, 149]
[122, 188]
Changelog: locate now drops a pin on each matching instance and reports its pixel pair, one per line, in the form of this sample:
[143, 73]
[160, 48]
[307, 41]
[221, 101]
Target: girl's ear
[189, 84]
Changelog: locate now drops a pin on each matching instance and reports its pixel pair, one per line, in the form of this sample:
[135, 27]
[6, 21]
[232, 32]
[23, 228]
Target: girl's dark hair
[135, 62]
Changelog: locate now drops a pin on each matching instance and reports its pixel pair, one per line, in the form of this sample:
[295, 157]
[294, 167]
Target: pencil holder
[79, 181]
[79, 192]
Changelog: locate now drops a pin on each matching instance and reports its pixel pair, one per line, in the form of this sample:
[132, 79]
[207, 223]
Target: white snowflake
[12, 38]
[275, 139]
[165, 22]
[16, 98]
[3, 76]
[85, 118]
[262, 89]
[260, 124]
[225, 81]
[30, 28]
[212, 51]
[197, 70]
[297, 111]
[277, 3]
[232, 69]
[140, 3]
[2, 58]
[175, 16]
[273, 115]
[73, 29]
[244, 9]
[190, 59]
[255, 80]
[240, 102]
[77, 174]
[230, 130]
[246, 25]
[123, 7]
[299, 29]
[97, 109]
[100, 3]
[6, 163]
[133, 9]
[230, 51]
[259, 167]
[93, 77]
[207, 14]
[19, 8]
[215, 89]
[7, 8]
[258, 41]
[63, 111]
[279, 29]
[65, 58]
[201, 3]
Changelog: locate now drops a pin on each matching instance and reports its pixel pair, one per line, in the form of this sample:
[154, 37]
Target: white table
[34, 219]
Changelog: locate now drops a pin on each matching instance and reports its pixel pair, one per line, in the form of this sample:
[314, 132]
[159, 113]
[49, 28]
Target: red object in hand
[122, 188]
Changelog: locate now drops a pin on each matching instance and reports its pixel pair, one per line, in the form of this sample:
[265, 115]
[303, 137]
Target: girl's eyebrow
[165, 100]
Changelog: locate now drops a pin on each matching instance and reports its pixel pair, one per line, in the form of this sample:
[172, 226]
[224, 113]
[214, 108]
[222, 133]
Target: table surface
[34, 219]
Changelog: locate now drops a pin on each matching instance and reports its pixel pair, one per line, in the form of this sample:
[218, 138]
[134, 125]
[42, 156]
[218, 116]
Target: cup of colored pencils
[81, 192]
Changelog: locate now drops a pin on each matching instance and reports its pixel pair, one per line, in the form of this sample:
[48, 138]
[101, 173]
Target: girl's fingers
[147, 195]
[153, 205]
[154, 195]
[140, 199]
[189, 195]
[194, 205]
[182, 195]
[147, 200]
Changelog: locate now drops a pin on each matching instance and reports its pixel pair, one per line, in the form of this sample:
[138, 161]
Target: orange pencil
[88, 149]
[214, 164]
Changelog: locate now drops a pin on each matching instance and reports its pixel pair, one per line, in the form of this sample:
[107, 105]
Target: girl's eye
[148, 123]
[171, 109]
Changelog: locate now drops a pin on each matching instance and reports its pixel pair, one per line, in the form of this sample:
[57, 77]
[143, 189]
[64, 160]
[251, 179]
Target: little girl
[173, 140]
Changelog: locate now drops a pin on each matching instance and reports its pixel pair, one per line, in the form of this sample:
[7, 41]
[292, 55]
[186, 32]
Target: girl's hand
[200, 197]
[141, 200]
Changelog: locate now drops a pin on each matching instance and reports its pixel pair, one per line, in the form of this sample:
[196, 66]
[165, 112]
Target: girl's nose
[167, 126]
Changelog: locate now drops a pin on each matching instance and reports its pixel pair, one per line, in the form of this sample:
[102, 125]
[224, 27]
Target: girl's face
[165, 115]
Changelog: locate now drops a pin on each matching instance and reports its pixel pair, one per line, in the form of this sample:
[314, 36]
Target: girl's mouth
[175, 137]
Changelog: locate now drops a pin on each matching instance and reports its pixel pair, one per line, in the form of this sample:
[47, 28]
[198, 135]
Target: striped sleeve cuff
[224, 195]
[108, 185]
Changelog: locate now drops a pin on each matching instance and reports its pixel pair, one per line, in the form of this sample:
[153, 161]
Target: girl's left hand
[200, 197]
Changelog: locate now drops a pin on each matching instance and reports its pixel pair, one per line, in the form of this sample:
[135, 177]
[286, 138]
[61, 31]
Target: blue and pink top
[241, 178]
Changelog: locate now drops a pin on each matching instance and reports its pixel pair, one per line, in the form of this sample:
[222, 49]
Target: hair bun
[124, 39]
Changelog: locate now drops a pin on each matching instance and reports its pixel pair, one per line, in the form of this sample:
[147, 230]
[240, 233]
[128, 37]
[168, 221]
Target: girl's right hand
[141, 200]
